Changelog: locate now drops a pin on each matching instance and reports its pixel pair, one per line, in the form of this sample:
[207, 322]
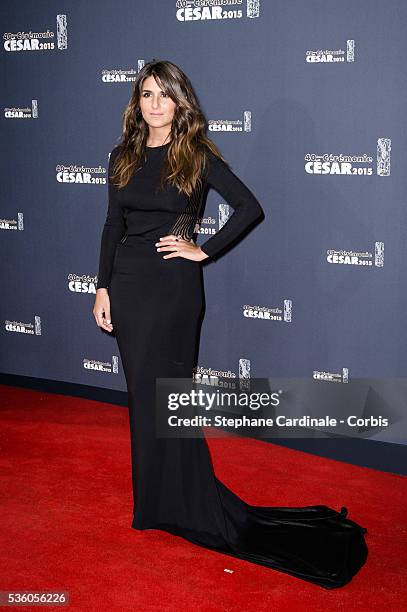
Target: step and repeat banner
[306, 101]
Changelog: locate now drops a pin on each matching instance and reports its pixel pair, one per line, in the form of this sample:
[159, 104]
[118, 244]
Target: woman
[150, 291]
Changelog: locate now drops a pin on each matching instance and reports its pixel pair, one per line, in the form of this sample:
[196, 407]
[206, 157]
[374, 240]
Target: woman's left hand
[180, 248]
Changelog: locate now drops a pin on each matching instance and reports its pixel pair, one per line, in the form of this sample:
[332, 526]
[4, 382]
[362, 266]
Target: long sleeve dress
[156, 309]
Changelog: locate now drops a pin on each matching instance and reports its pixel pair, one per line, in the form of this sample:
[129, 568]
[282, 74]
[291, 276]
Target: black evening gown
[156, 311]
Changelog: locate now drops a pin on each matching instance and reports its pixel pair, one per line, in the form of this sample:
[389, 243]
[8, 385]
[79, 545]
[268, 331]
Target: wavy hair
[186, 157]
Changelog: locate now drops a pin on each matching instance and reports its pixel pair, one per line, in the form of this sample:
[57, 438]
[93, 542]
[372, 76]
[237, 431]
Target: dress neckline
[160, 146]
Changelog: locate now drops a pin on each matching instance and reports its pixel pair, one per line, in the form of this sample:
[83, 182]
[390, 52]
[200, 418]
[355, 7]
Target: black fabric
[157, 308]
[142, 209]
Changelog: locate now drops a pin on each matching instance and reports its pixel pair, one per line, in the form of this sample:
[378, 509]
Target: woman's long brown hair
[186, 157]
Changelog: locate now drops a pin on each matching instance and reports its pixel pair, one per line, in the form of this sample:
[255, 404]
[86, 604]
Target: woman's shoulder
[214, 165]
[115, 151]
[112, 156]
[214, 160]
[210, 154]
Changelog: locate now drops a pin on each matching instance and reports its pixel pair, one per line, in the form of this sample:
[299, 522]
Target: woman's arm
[113, 229]
[246, 207]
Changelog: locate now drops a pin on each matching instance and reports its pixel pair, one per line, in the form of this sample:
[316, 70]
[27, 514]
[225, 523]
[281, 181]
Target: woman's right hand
[101, 310]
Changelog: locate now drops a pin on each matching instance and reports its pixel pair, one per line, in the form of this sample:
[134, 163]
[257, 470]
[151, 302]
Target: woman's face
[157, 107]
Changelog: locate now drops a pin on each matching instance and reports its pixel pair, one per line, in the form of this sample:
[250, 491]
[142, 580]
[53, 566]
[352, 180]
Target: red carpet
[66, 511]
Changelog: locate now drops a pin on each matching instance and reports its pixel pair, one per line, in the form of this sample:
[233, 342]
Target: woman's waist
[140, 238]
[147, 239]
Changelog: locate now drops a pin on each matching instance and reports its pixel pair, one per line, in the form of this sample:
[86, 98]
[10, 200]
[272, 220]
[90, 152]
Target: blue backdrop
[306, 100]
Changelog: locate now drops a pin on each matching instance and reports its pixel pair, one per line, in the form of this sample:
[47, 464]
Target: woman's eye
[146, 93]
